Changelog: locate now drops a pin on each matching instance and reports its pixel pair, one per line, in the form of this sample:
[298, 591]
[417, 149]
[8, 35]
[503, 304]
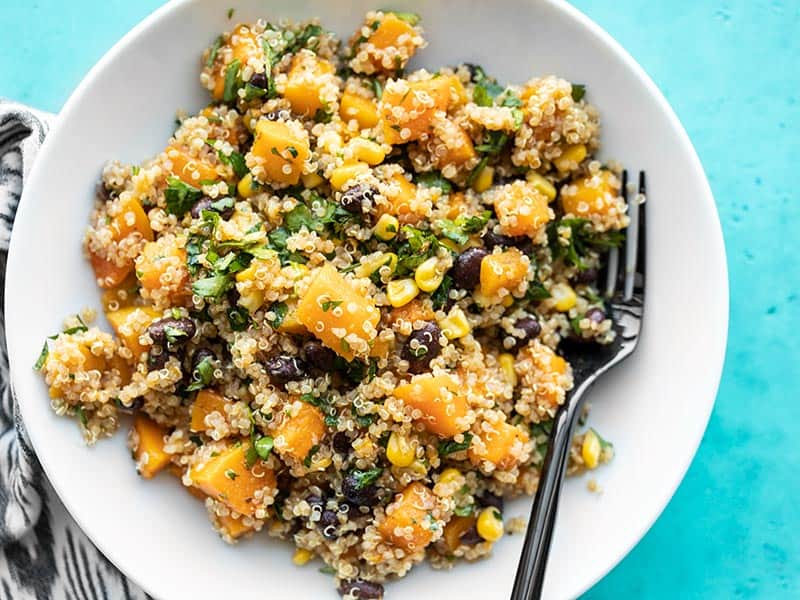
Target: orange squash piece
[276, 146]
[342, 318]
[363, 110]
[300, 431]
[418, 102]
[189, 169]
[521, 209]
[130, 323]
[458, 145]
[233, 527]
[305, 81]
[227, 478]
[244, 44]
[156, 259]
[131, 219]
[109, 274]
[415, 310]
[455, 528]
[149, 450]
[439, 400]
[411, 508]
[403, 201]
[206, 402]
[502, 443]
[503, 270]
[588, 196]
[85, 360]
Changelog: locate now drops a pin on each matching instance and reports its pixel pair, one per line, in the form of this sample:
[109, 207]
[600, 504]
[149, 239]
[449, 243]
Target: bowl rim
[707, 204]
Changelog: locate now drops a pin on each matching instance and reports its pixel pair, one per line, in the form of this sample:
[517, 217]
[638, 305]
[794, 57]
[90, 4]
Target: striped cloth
[45, 556]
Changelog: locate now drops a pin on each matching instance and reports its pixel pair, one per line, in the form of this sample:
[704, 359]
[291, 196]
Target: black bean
[595, 315]
[363, 590]
[421, 347]
[328, 523]
[587, 276]
[282, 369]
[132, 407]
[492, 239]
[470, 537]
[315, 500]
[277, 115]
[319, 356]
[171, 332]
[259, 80]
[530, 329]
[356, 494]
[466, 271]
[489, 499]
[157, 357]
[358, 199]
[341, 443]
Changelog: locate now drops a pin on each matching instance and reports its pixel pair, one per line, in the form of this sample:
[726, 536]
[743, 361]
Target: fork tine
[641, 254]
[613, 271]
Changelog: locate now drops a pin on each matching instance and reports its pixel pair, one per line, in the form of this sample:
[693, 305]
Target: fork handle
[533, 561]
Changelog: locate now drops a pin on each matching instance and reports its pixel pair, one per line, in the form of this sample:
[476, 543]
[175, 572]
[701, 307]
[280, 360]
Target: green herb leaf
[450, 446]
[230, 13]
[464, 511]
[263, 446]
[42, 357]
[82, 328]
[330, 304]
[212, 55]
[212, 287]
[473, 175]
[231, 81]
[309, 457]
[409, 17]
[280, 309]
[81, 416]
[202, 375]
[236, 161]
[578, 91]
[441, 295]
[238, 318]
[377, 89]
[174, 334]
[365, 478]
[180, 196]
[536, 292]
[327, 570]
[460, 229]
[435, 179]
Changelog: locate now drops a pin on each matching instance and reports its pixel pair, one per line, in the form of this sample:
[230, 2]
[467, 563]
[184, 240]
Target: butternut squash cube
[233, 527]
[305, 81]
[392, 32]
[455, 528]
[504, 446]
[458, 146]
[412, 508]
[244, 45]
[521, 209]
[148, 450]
[299, 431]
[162, 266]
[281, 150]
[291, 323]
[403, 200]
[206, 402]
[130, 323]
[342, 318]
[439, 399]
[415, 310]
[226, 478]
[109, 274]
[503, 270]
[588, 196]
[407, 108]
[188, 168]
[131, 219]
[363, 110]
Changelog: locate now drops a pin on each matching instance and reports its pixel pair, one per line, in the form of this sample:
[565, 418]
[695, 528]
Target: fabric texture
[45, 555]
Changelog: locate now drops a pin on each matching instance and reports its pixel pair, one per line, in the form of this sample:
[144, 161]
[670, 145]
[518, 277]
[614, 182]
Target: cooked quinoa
[337, 296]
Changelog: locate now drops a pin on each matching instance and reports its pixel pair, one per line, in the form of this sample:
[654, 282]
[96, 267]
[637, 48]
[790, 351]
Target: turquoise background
[731, 70]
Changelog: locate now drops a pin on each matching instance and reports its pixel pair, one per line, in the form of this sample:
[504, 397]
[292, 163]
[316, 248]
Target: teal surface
[731, 70]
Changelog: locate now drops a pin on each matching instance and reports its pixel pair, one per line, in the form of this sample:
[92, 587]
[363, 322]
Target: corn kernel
[341, 175]
[507, 361]
[484, 180]
[450, 475]
[367, 151]
[490, 524]
[564, 297]
[387, 227]
[247, 187]
[373, 262]
[401, 291]
[252, 300]
[428, 276]
[400, 451]
[418, 467]
[570, 157]
[542, 184]
[311, 180]
[455, 325]
[296, 271]
[450, 245]
[302, 556]
[507, 301]
[591, 448]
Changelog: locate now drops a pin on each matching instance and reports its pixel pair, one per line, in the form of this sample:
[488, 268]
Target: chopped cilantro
[180, 196]
[464, 511]
[409, 17]
[310, 456]
[330, 304]
[460, 229]
[578, 91]
[212, 55]
[473, 175]
[292, 150]
[202, 375]
[364, 478]
[440, 297]
[42, 357]
[81, 415]
[581, 240]
[279, 309]
[435, 179]
[212, 287]
[238, 318]
[536, 292]
[377, 89]
[231, 80]
[263, 446]
[236, 161]
[231, 474]
[82, 328]
[174, 334]
[327, 570]
[450, 446]
[230, 13]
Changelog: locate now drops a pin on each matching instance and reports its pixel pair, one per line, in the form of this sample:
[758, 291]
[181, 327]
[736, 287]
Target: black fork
[624, 292]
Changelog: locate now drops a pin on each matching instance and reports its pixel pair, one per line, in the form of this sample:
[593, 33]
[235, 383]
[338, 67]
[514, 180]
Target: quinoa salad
[337, 296]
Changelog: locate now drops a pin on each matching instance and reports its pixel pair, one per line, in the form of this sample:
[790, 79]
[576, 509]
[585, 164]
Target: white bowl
[654, 408]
